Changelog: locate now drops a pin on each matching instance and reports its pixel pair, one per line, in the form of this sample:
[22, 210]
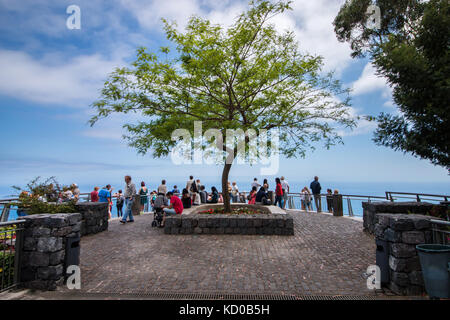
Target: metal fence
[326, 202]
[11, 240]
[441, 231]
[394, 195]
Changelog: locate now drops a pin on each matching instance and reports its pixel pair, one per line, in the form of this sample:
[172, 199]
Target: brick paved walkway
[327, 256]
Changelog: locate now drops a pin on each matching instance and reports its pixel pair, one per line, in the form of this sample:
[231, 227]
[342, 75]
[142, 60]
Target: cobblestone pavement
[327, 256]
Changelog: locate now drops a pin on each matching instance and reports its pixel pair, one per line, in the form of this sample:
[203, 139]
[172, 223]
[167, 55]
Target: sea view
[349, 94]
[345, 188]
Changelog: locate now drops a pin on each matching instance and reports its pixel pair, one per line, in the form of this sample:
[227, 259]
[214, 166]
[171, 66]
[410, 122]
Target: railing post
[349, 205]
[5, 212]
[18, 247]
[338, 209]
[418, 198]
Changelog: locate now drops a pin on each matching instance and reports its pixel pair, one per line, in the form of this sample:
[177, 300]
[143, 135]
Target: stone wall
[45, 235]
[250, 224]
[371, 209]
[402, 233]
[94, 217]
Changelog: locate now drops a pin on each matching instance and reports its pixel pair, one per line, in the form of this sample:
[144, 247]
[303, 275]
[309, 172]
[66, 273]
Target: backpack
[194, 187]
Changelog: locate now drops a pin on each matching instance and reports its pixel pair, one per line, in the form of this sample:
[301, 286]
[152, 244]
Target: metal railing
[441, 231]
[327, 206]
[11, 240]
[394, 195]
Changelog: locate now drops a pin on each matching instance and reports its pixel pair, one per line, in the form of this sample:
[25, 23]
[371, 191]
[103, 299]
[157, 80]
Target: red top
[279, 190]
[94, 196]
[176, 204]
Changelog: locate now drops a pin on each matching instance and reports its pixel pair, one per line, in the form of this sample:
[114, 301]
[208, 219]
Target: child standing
[119, 203]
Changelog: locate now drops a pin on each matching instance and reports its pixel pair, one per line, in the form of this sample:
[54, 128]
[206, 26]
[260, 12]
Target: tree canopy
[411, 50]
[246, 76]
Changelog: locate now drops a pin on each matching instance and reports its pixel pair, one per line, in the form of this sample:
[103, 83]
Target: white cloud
[369, 82]
[315, 32]
[54, 80]
[311, 21]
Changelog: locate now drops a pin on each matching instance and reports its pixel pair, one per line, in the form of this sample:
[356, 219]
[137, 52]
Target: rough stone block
[56, 258]
[404, 264]
[399, 278]
[392, 235]
[30, 244]
[413, 237]
[202, 222]
[50, 244]
[401, 223]
[402, 250]
[416, 278]
[50, 273]
[242, 222]
[61, 232]
[224, 222]
[290, 223]
[257, 222]
[73, 218]
[38, 259]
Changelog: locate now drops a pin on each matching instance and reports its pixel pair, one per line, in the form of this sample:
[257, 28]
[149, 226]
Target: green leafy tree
[411, 50]
[247, 76]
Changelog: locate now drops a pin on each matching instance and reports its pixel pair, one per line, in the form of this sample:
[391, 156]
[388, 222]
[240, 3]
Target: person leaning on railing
[315, 188]
[330, 200]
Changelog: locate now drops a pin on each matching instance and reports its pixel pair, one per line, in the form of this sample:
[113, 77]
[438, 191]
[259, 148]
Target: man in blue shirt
[104, 195]
[315, 188]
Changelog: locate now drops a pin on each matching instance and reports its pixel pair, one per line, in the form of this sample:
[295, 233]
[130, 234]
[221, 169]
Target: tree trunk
[225, 193]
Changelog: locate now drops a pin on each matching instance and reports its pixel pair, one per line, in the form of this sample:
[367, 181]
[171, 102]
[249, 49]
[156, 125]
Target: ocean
[345, 188]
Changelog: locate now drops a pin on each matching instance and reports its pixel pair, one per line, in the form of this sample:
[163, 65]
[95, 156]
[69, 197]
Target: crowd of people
[195, 194]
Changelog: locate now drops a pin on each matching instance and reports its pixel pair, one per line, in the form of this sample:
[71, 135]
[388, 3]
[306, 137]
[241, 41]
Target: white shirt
[188, 185]
[162, 189]
[234, 189]
[284, 185]
[256, 184]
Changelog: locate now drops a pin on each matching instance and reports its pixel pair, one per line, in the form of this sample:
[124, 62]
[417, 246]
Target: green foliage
[48, 189]
[245, 77]
[411, 50]
[6, 269]
[32, 205]
[30, 198]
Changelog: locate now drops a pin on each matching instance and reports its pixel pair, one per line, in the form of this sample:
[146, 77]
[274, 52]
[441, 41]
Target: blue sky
[49, 76]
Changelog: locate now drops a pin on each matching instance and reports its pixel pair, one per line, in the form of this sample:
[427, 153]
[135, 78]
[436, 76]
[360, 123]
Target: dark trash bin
[435, 262]
[382, 260]
[338, 209]
[72, 252]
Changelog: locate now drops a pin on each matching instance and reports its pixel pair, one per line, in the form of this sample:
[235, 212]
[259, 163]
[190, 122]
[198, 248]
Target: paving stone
[326, 256]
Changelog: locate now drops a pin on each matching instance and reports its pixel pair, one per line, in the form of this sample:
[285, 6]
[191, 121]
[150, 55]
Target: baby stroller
[157, 217]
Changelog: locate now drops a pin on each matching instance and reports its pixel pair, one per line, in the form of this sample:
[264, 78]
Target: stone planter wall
[371, 209]
[42, 265]
[44, 246]
[403, 232]
[263, 224]
[94, 217]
